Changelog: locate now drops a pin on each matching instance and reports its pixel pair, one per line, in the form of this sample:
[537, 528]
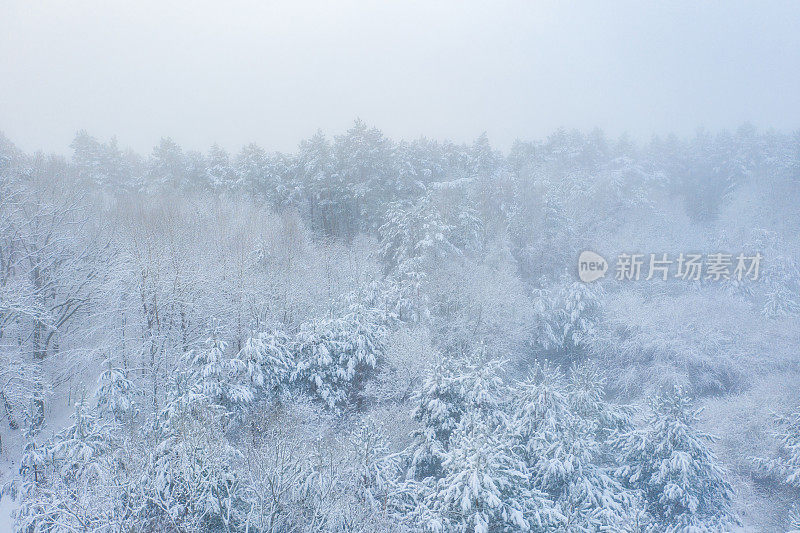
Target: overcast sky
[271, 72]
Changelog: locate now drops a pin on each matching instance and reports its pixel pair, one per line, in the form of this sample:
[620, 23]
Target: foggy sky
[271, 72]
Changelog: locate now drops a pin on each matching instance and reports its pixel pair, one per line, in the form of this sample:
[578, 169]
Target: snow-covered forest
[375, 335]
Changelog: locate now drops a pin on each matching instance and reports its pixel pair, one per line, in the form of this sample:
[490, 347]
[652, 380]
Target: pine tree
[167, 168]
[786, 466]
[261, 367]
[394, 299]
[375, 467]
[782, 283]
[264, 363]
[115, 394]
[464, 471]
[210, 370]
[254, 175]
[577, 312]
[414, 237]
[221, 176]
[562, 427]
[363, 157]
[334, 357]
[68, 483]
[99, 165]
[439, 411]
[190, 482]
[456, 393]
[485, 487]
[671, 463]
[316, 184]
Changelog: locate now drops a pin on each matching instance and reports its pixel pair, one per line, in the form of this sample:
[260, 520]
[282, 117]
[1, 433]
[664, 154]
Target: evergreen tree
[334, 357]
[671, 463]
[115, 394]
[415, 238]
[786, 466]
[190, 481]
[375, 467]
[254, 175]
[456, 394]
[316, 184]
[68, 484]
[221, 176]
[99, 165]
[485, 487]
[562, 427]
[264, 363]
[167, 167]
[363, 164]
[577, 311]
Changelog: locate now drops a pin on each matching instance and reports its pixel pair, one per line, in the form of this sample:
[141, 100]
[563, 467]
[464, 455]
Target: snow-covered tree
[253, 173]
[786, 466]
[316, 184]
[670, 461]
[101, 166]
[455, 394]
[167, 168]
[562, 427]
[782, 286]
[375, 467]
[115, 394]
[485, 487]
[415, 237]
[334, 357]
[190, 481]
[68, 483]
[211, 372]
[51, 266]
[221, 176]
[577, 311]
[466, 470]
[264, 362]
[396, 299]
[363, 164]
[262, 366]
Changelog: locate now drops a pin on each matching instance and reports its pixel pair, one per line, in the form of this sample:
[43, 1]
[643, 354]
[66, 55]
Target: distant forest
[377, 335]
